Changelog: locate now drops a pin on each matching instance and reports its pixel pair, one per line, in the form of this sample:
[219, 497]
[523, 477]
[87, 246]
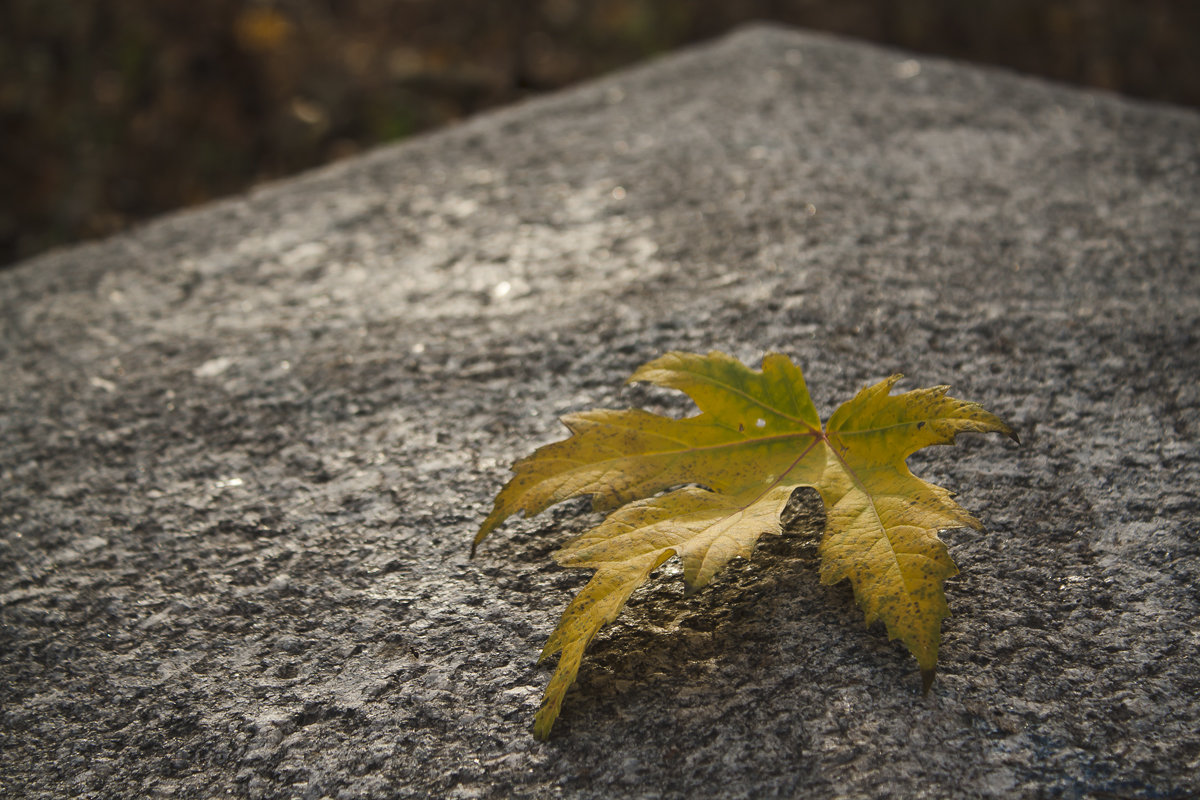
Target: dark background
[114, 111]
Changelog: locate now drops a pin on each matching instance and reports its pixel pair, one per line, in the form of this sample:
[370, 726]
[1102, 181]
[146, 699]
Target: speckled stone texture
[243, 450]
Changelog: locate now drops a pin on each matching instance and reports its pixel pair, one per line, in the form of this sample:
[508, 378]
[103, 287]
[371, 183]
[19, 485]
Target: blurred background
[112, 111]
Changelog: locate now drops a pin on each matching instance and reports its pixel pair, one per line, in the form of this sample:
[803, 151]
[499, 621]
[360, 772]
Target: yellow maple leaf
[730, 471]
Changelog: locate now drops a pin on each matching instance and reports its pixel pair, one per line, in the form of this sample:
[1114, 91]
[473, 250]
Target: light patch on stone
[909, 68]
[213, 367]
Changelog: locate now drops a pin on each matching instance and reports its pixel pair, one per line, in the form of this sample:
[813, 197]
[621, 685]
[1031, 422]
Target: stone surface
[243, 450]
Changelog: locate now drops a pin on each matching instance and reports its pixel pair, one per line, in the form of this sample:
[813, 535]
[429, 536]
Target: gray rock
[244, 449]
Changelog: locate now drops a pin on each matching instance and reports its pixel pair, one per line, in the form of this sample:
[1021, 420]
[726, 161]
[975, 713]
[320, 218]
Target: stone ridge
[243, 450]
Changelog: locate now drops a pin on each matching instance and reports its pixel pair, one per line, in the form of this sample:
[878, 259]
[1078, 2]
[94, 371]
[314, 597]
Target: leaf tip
[548, 713]
[479, 537]
[541, 728]
[927, 676]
